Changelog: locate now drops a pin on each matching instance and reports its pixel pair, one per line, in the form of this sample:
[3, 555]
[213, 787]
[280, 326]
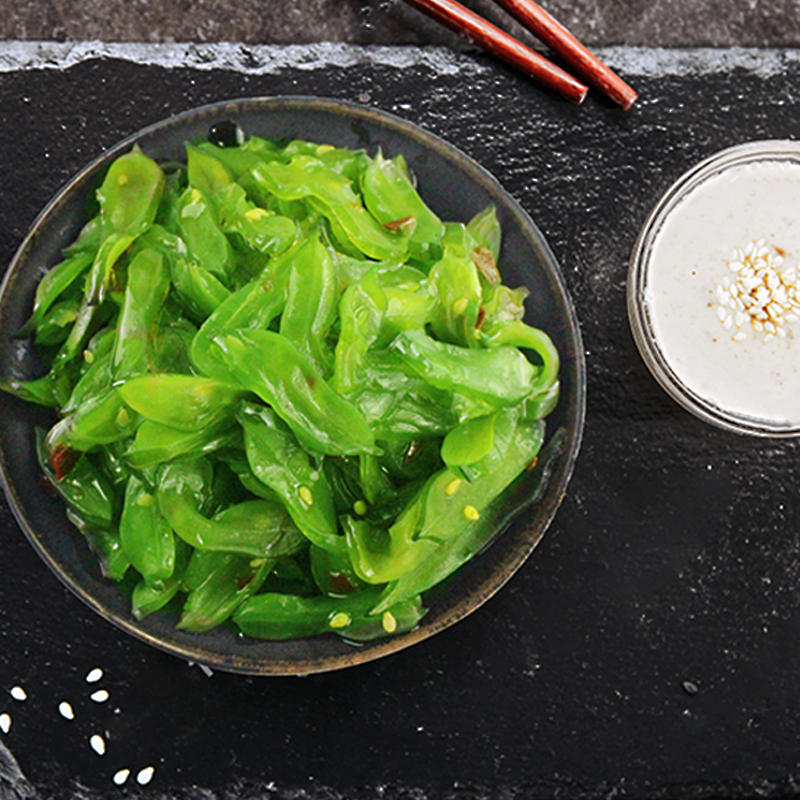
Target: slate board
[651, 645]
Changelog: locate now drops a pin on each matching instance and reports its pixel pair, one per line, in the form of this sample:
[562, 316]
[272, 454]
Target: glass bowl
[456, 188]
[711, 289]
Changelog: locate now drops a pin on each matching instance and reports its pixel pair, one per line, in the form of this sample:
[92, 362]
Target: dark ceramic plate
[456, 188]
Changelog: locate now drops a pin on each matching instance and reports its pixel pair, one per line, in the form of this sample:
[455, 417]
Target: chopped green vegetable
[289, 397]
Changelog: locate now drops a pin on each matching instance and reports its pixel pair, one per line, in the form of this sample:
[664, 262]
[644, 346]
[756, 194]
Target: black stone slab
[650, 648]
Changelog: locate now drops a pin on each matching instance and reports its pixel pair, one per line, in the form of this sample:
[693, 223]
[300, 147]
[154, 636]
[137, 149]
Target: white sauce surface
[691, 255]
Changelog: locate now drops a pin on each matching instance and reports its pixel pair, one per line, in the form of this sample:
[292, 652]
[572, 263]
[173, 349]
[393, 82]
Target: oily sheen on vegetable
[288, 397]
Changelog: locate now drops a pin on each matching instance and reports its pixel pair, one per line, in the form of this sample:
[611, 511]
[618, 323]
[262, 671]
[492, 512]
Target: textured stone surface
[655, 23]
[671, 566]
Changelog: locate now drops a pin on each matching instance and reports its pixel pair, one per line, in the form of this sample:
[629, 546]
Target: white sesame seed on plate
[97, 743]
[120, 776]
[94, 675]
[100, 696]
[144, 776]
[65, 709]
[5, 722]
[18, 693]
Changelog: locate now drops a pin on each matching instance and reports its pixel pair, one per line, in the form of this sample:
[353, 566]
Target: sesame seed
[360, 507]
[470, 512]
[100, 696]
[758, 293]
[739, 337]
[94, 675]
[388, 622]
[88, 356]
[341, 619]
[121, 776]
[306, 496]
[452, 487]
[255, 214]
[98, 744]
[144, 776]
[768, 338]
[460, 305]
[65, 709]
[18, 693]
[5, 722]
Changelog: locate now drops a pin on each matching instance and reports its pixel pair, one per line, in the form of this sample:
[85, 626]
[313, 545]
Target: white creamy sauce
[690, 258]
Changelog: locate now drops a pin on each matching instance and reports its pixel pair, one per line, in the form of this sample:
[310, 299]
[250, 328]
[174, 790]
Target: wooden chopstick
[481, 32]
[565, 45]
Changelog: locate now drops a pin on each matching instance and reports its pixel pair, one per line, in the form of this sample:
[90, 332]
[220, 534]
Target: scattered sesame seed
[98, 744]
[758, 293]
[144, 776]
[255, 214]
[388, 622]
[306, 496]
[452, 487]
[94, 675]
[470, 512]
[121, 776]
[341, 619]
[65, 709]
[5, 722]
[18, 693]
[88, 356]
[100, 696]
[145, 500]
[123, 417]
[360, 507]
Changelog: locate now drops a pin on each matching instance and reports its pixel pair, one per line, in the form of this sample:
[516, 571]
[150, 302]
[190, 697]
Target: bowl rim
[559, 479]
[642, 327]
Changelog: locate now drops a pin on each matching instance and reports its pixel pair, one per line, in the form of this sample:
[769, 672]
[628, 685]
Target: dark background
[650, 648]
[650, 23]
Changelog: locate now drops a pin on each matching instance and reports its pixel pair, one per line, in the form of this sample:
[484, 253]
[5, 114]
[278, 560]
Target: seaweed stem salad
[289, 397]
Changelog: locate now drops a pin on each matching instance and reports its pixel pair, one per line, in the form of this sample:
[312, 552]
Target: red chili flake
[63, 459]
[397, 224]
[481, 317]
[483, 258]
[341, 583]
[533, 463]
